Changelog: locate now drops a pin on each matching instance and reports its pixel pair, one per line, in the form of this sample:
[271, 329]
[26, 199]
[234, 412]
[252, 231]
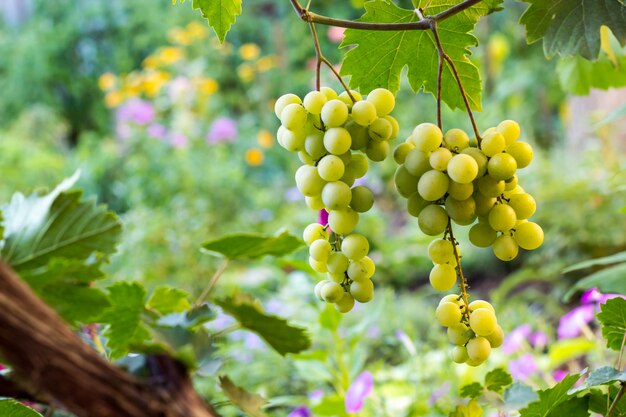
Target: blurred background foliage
[176, 133]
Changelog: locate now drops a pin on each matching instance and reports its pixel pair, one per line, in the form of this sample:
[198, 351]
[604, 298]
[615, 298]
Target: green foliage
[497, 379]
[252, 246]
[602, 376]
[603, 261]
[473, 390]
[472, 409]
[249, 403]
[579, 75]
[608, 280]
[572, 27]
[168, 300]
[518, 396]
[380, 56]
[551, 399]
[613, 319]
[220, 14]
[12, 408]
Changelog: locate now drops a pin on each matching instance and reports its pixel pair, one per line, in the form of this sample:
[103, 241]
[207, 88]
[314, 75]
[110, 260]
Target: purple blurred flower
[571, 324]
[300, 411]
[515, 340]
[440, 392]
[178, 140]
[316, 395]
[595, 296]
[136, 111]
[361, 388]
[523, 368]
[157, 131]
[222, 130]
[323, 217]
[292, 194]
[252, 341]
[538, 339]
[559, 374]
[373, 332]
[362, 181]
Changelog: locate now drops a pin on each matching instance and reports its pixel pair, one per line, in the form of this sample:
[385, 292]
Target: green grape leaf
[606, 260]
[473, 390]
[578, 75]
[574, 407]
[550, 399]
[253, 246]
[472, 409]
[12, 408]
[166, 300]
[188, 319]
[598, 400]
[518, 396]
[612, 316]
[601, 376]
[62, 271]
[76, 303]
[221, 14]
[380, 56]
[497, 379]
[249, 403]
[279, 334]
[572, 27]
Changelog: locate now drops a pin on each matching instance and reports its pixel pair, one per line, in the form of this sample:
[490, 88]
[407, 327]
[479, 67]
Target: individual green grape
[453, 298]
[358, 165]
[482, 235]
[305, 158]
[442, 277]
[461, 212]
[460, 191]
[293, 140]
[496, 338]
[401, 151]
[308, 181]
[493, 143]
[510, 183]
[522, 152]
[433, 185]
[313, 123]
[529, 235]
[360, 137]
[502, 166]
[314, 144]
[344, 221]
[505, 248]
[336, 195]
[417, 162]
[490, 187]
[380, 129]
[502, 218]
[459, 335]
[524, 205]
[318, 289]
[433, 220]
[459, 354]
[329, 93]
[355, 246]
[360, 270]
[510, 130]
[314, 101]
[362, 291]
[517, 190]
[293, 116]
[315, 203]
[346, 157]
[334, 113]
[439, 159]
[462, 168]
[383, 100]
[479, 157]
[283, 101]
[330, 168]
[483, 321]
[337, 140]
[364, 112]
[337, 263]
[415, 204]
[362, 199]
[348, 178]
[441, 251]
[313, 232]
[320, 250]
[448, 314]
[345, 304]
[336, 277]
[331, 292]
[406, 184]
[427, 137]
[483, 204]
[317, 265]
[395, 127]
[377, 151]
[345, 97]
[456, 140]
[478, 349]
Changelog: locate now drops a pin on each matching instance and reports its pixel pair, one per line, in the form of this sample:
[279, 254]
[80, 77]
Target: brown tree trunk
[55, 363]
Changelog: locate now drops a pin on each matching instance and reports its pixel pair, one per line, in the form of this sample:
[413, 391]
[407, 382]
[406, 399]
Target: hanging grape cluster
[327, 131]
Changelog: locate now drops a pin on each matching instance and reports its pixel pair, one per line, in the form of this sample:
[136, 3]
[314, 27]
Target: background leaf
[608, 280]
[497, 379]
[249, 403]
[605, 260]
[601, 376]
[12, 408]
[613, 319]
[551, 398]
[221, 14]
[168, 300]
[252, 246]
[518, 396]
[472, 390]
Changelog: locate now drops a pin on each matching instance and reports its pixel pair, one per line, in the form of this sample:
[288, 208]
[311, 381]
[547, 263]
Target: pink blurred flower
[523, 367]
[157, 131]
[361, 388]
[136, 111]
[572, 323]
[559, 374]
[516, 339]
[223, 129]
[179, 141]
[323, 217]
[335, 34]
[538, 340]
[440, 392]
[595, 296]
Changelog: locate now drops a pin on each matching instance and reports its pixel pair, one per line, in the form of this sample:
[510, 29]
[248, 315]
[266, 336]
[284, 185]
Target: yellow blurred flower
[151, 62]
[153, 82]
[206, 86]
[564, 112]
[113, 99]
[254, 157]
[265, 63]
[249, 51]
[107, 81]
[196, 30]
[179, 36]
[133, 84]
[265, 139]
[245, 72]
[170, 55]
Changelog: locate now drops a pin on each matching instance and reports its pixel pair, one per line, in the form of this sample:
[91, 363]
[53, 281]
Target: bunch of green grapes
[334, 135]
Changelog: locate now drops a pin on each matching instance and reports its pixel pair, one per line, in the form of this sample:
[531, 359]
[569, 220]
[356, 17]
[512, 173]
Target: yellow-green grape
[415, 204]
[439, 159]
[459, 354]
[331, 168]
[401, 151]
[345, 304]
[459, 335]
[313, 123]
[313, 232]
[364, 112]
[522, 152]
[529, 235]
[345, 97]
[456, 140]
[358, 165]
[460, 191]
[320, 250]
[329, 93]
[482, 235]
[501, 217]
[476, 304]
[462, 212]
[362, 199]
[496, 338]
[337, 263]
[510, 130]
[337, 140]
[293, 140]
[483, 204]
[441, 251]
[348, 178]
[344, 221]
[360, 137]
[305, 158]
[336, 277]
[315, 203]
[334, 113]
[478, 349]
[490, 187]
[433, 220]
[502, 166]
[524, 205]
[331, 292]
[377, 151]
[505, 248]
[427, 137]
[395, 127]
[293, 116]
[314, 101]
[318, 289]
[406, 184]
[355, 246]
[317, 265]
[453, 298]
[362, 291]
[383, 100]
[493, 143]
[479, 157]
[417, 162]
[336, 195]
[510, 183]
[362, 269]
[462, 168]
[283, 101]
[490, 130]
[483, 321]
[433, 185]
[442, 277]
[448, 314]
[516, 190]
[314, 144]
[380, 129]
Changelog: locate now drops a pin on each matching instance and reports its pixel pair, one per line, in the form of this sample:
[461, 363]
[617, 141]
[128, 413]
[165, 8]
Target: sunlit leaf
[613, 319]
[221, 14]
[249, 403]
[252, 246]
[550, 399]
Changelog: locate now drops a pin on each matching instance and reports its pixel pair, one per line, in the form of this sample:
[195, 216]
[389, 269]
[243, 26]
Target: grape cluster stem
[459, 270]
